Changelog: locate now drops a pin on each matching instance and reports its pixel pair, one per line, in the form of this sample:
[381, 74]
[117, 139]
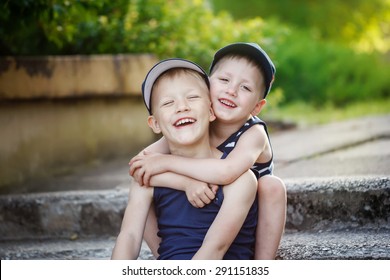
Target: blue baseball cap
[163, 66]
[256, 53]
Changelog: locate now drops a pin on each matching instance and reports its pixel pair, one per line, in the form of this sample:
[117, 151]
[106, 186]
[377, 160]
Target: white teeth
[184, 121]
[227, 103]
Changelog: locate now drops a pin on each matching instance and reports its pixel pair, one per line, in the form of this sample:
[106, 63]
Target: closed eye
[223, 79]
[167, 103]
[193, 97]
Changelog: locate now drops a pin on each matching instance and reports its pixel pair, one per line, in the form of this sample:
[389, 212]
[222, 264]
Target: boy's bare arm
[238, 198]
[214, 171]
[129, 241]
[198, 193]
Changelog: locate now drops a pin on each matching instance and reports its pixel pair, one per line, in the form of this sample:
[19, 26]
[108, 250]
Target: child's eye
[193, 97]
[224, 79]
[246, 88]
[167, 103]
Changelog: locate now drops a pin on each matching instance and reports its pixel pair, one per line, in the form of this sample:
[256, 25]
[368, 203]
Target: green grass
[305, 114]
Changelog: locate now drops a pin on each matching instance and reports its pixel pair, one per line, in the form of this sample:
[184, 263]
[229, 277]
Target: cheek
[214, 84]
[213, 92]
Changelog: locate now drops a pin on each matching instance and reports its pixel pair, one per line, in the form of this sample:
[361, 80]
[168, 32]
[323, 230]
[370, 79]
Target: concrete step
[327, 218]
[64, 249]
[321, 203]
[346, 244]
[333, 245]
[338, 202]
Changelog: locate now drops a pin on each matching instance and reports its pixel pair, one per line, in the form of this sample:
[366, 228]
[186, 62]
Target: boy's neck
[197, 150]
[220, 131]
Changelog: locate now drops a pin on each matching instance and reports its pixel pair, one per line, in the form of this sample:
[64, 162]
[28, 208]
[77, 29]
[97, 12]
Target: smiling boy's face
[236, 86]
[181, 108]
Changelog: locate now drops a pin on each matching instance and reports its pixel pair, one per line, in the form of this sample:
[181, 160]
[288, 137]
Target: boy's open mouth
[184, 122]
[227, 103]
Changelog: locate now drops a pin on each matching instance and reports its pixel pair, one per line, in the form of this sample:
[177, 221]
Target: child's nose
[231, 90]
[182, 106]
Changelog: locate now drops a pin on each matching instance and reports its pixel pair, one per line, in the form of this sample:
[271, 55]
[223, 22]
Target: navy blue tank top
[259, 169]
[183, 227]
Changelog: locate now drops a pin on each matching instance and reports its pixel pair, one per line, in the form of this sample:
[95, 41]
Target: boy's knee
[272, 186]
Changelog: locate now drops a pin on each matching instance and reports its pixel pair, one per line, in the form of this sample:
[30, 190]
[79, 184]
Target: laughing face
[181, 109]
[235, 87]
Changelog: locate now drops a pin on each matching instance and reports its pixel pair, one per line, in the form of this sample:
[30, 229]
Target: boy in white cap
[177, 95]
[241, 76]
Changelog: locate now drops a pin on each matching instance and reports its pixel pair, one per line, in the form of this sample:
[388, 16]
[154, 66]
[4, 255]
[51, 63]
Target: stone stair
[327, 218]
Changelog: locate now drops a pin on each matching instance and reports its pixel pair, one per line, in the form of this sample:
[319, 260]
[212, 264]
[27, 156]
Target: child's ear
[259, 106]
[212, 116]
[153, 124]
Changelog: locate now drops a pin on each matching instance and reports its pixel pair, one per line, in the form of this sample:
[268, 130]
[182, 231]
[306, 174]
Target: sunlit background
[332, 59]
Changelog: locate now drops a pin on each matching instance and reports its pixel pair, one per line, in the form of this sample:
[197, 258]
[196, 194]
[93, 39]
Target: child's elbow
[217, 248]
[229, 176]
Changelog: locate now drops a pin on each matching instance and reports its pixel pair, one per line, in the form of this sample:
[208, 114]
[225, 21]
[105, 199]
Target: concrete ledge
[339, 245]
[315, 204]
[64, 249]
[48, 139]
[72, 76]
[338, 202]
[62, 214]
[328, 218]
[58, 113]
[336, 245]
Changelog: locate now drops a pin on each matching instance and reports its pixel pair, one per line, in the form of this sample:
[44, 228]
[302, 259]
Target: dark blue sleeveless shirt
[183, 227]
[259, 169]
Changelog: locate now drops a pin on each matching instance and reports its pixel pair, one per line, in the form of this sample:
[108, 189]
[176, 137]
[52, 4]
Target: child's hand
[144, 165]
[136, 176]
[200, 194]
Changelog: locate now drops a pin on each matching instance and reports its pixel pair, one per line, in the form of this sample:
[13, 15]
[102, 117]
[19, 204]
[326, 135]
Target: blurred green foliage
[362, 24]
[325, 72]
[41, 27]
[309, 67]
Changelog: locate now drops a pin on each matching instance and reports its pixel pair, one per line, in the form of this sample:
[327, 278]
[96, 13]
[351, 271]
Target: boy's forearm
[226, 171]
[171, 180]
[218, 240]
[212, 171]
[126, 248]
[128, 243]
[212, 249]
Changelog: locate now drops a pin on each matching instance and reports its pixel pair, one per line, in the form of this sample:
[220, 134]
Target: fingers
[138, 157]
[211, 191]
[214, 188]
[146, 179]
[202, 196]
[197, 203]
[138, 175]
[134, 159]
[133, 167]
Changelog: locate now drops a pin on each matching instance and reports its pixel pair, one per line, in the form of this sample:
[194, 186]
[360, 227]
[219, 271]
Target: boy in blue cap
[177, 96]
[241, 76]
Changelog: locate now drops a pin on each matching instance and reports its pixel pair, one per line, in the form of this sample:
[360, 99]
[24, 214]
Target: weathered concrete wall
[59, 113]
[72, 76]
